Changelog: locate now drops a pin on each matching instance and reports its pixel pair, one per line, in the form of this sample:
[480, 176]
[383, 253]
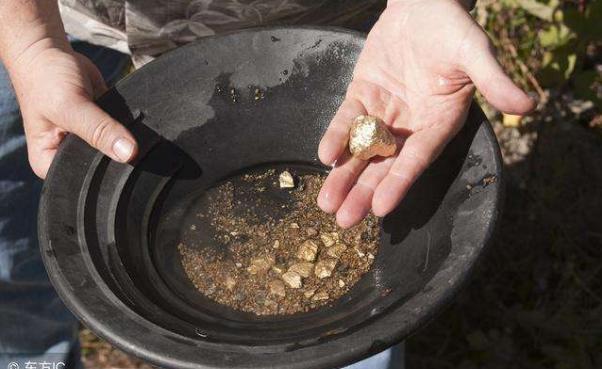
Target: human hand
[417, 72]
[56, 87]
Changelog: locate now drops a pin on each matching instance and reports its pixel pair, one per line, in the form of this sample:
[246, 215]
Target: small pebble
[229, 282]
[260, 265]
[271, 305]
[286, 180]
[311, 231]
[239, 296]
[341, 283]
[324, 268]
[277, 288]
[309, 293]
[320, 296]
[308, 251]
[488, 180]
[329, 239]
[304, 269]
[292, 279]
[260, 297]
[278, 269]
[337, 250]
[258, 94]
[210, 289]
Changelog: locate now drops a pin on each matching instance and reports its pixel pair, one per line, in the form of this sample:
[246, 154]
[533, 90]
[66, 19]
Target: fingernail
[344, 218]
[123, 149]
[325, 204]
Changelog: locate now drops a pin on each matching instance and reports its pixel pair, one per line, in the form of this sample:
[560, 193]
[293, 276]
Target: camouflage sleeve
[167, 24]
[101, 22]
[150, 27]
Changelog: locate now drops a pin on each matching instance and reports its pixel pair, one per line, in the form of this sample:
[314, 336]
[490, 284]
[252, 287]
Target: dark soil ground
[536, 299]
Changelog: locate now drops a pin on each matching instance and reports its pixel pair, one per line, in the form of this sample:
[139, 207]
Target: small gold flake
[286, 180]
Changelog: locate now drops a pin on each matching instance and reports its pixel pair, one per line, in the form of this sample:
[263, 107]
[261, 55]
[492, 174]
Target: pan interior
[154, 212]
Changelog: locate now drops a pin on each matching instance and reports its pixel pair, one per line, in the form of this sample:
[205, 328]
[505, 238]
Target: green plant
[558, 45]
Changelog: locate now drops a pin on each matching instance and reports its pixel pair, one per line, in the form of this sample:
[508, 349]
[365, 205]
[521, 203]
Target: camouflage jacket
[146, 28]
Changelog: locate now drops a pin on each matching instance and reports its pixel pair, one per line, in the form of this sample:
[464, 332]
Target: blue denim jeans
[36, 330]
[35, 326]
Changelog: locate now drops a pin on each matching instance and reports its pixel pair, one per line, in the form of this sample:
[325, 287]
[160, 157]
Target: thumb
[490, 79]
[100, 130]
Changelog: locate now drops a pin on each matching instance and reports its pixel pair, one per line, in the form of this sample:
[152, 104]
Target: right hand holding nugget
[417, 72]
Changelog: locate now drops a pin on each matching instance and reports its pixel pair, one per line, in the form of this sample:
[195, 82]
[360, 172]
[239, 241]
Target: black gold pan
[210, 111]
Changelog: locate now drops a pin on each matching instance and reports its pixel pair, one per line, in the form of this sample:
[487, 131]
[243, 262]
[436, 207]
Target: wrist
[27, 29]
[20, 61]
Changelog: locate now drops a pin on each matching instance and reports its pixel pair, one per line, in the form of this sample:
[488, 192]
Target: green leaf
[555, 36]
[548, 58]
[540, 10]
[557, 66]
[571, 62]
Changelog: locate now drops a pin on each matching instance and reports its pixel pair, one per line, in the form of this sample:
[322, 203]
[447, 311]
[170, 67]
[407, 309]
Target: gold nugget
[369, 137]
